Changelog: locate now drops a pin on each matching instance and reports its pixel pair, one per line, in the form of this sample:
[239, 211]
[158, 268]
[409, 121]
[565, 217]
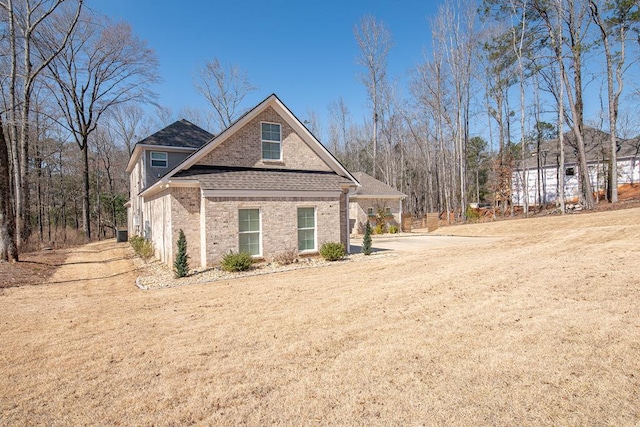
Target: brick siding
[244, 148]
[279, 225]
[185, 212]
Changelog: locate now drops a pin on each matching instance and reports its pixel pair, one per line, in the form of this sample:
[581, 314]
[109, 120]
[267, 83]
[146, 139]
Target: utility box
[122, 236]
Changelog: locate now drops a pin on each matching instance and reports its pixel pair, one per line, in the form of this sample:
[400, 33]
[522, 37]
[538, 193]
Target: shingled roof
[241, 178]
[182, 133]
[596, 144]
[372, 188]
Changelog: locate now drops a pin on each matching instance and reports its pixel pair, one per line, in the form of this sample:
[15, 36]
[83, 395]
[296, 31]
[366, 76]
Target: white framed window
[159, 159]
[271, 141]
[249, 235]
[306, 229]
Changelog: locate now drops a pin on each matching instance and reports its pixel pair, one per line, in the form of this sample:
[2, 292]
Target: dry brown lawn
[541, 328]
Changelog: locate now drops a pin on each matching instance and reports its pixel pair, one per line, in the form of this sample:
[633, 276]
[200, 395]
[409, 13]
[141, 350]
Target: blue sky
[305, 52]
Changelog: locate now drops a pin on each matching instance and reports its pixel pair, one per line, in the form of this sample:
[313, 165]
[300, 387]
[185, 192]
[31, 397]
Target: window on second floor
[159, 159]
[271, 141]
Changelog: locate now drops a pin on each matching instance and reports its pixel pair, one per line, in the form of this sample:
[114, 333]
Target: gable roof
[372, 188]
[182, 133]
[274, 102]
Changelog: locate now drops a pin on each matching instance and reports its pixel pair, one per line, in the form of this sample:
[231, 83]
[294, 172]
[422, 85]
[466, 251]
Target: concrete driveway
[409, 242]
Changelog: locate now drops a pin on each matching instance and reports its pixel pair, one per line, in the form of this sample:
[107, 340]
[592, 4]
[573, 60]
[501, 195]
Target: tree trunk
[8, 245]
[86, 213]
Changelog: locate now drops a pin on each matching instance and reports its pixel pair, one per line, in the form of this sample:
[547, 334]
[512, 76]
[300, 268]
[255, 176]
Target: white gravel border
[156, 275]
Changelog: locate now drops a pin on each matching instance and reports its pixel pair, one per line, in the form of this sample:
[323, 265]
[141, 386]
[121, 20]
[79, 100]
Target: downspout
[203, 231]
[348, 222]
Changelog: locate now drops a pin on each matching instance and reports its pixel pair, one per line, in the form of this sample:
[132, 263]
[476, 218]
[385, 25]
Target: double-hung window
[271, 141]
[306, 229]
[249, 231]
[159, 159]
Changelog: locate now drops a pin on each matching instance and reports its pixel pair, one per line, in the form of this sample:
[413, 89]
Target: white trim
[315, 229]
[165, 160]
[364, 196]
[269, 193]
[260, 251]
[184, 183]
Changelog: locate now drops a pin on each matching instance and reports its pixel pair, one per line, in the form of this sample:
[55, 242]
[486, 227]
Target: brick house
[264, 185]
[369, 199]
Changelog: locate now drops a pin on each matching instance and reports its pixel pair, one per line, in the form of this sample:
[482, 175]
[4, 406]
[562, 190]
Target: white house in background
[371, 196]
[542, 170]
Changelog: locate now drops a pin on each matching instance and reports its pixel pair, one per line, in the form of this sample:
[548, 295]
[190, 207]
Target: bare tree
[613, 19]
[103, 65]
[126, 121]
[313, 124]
[8, 246]
[225, 89]
[374, 41]
[518, 43]
[29, 23]
[571, 16]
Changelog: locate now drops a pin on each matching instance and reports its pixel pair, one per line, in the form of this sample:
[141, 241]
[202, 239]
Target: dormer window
[159, 159]
[271, 141]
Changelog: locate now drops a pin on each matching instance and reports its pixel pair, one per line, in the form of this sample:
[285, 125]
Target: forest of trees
[500, 76]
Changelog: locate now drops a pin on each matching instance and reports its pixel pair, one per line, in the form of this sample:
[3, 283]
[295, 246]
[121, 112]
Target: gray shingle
[371, 187]
[230, 178]
[179, 134]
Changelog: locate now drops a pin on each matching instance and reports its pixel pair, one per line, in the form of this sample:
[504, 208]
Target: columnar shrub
[181, 264]
[366, 240]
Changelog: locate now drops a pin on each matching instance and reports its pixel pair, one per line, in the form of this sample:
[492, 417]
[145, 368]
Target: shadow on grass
[356, 249]
[106, 261]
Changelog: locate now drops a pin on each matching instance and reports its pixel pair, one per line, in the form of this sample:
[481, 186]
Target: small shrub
[393, 229]
[366, 241]
[332, 251]
[473, 215]
[181, 264]
[286, 257]
[236, 262]
[142, 247]
[380, 228]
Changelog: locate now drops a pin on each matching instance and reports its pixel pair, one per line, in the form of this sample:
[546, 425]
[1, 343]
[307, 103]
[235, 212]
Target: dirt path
[539, 328]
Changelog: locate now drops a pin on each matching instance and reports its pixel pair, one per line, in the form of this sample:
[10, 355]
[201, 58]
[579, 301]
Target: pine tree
[181, 264]
[366, 241]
